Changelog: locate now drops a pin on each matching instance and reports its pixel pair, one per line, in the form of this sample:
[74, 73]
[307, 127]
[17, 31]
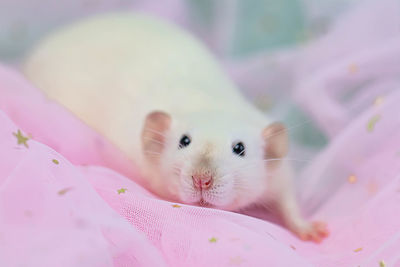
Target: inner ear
[276, 141]
[155, 127]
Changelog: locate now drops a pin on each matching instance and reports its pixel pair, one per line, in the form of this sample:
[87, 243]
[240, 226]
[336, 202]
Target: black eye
[239, 149]
[185, 141]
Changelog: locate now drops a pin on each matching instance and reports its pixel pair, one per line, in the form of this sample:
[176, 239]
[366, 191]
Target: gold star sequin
[63, 191]
[122, 190]
[212, 240]
[21, 139]
[353, 68]
[378, 101]
[358, 249]
[55, 161]
[235, 260]
[382, 264]
[372, 188]
[176, 206]
[352, 179]
[372, 122]
[28, 213]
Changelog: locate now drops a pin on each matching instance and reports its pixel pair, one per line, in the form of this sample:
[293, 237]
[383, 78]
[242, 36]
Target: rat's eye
[185, 141]
[239, 149]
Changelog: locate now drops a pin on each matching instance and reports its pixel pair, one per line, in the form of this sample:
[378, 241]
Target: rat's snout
[203, 173]
[202, 180]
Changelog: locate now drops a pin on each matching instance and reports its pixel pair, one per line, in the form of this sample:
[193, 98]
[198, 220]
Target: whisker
[277, 159]
[177, 170]
[233, 172]
[256, 162]
[185, 156]
[291, 159]
[289, 128]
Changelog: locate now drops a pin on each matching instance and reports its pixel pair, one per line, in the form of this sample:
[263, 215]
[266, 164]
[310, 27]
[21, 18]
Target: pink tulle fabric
[66, 199]
[69, 198]
[63, 202]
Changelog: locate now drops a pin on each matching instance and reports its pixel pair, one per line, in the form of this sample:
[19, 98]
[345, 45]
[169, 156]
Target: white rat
[159, 95]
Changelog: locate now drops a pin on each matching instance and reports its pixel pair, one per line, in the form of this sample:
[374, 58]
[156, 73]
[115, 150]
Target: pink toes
[316, 232]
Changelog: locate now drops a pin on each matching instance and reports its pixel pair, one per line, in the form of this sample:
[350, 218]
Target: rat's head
[211, 161]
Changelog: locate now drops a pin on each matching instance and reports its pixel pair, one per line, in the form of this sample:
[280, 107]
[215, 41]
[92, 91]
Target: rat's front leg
[283, 198]
[288, 209]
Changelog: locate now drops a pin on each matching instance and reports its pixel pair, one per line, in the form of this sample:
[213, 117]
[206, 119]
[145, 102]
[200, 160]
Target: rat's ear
[275, 140]
[156, 124]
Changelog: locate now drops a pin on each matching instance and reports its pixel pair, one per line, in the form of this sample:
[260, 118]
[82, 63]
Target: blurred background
[270, 48]
[231, 28]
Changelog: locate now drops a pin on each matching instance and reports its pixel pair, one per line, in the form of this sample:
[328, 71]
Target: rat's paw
[315, 231]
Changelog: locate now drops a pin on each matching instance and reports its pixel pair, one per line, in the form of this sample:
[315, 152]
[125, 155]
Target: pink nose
[202, 181]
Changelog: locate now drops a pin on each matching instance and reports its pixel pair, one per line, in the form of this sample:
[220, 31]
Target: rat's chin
[202, 199]
[204, 203]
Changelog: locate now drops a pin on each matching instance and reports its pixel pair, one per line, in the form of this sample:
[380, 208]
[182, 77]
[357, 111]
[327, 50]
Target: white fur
[111, 71]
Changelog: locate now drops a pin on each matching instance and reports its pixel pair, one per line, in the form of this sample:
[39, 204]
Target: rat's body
[160, 97]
